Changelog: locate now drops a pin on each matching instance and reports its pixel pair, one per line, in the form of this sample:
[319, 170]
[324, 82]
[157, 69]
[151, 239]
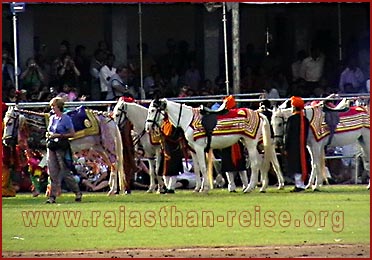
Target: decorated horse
[97, 137]
[353, 127]
[239, 124]
[127, 109]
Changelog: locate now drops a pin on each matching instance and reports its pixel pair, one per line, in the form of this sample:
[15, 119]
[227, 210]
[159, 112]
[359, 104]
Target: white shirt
[354, 77]
[104, 74]
[312, 70]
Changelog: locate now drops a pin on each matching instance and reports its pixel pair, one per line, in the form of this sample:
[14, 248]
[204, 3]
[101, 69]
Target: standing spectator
[312, 71]
[82, 64]
[296, 65]
[120, 84]
[105, 74]
[8, 70]
[168, 62]
[68, 73]
[59, 158]
[352, 78]
[33, 77]
[192, 76]
[95, 67]
[295, 143]
[64, 50]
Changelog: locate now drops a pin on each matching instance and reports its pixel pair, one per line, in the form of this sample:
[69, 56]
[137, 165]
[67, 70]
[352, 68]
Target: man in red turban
[295, 143]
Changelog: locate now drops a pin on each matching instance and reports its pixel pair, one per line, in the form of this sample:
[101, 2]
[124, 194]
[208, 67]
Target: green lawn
[338, 214]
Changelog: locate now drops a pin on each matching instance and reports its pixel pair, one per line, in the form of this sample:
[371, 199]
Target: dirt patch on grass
[322, 251]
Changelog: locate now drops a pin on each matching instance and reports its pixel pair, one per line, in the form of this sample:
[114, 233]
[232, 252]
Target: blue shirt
[61, 125]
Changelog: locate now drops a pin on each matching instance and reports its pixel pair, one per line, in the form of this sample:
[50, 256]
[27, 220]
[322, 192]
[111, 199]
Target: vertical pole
[15, 50]
[142, 91]
[236, 47]
[339, 16]
[225, 45]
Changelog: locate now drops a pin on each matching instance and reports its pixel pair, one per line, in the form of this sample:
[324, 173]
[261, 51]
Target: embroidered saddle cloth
[237, 121]
[353, 119]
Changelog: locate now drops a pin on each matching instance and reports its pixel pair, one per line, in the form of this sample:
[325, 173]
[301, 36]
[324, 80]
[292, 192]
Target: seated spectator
[141, 178]
[94, 176]
[352, 78]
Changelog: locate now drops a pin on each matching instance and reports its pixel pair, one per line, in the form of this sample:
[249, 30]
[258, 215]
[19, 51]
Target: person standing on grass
[59, 157]
[295, 143]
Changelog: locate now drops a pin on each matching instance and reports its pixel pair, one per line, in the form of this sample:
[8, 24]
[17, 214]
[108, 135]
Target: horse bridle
[284, 125]
[15, 127]
[123, 111]
[159, 111]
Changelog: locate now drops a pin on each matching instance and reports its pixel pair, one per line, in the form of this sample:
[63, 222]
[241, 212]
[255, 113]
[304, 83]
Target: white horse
[137, 114]
[354, 127]
[28, 128]
[250, 126]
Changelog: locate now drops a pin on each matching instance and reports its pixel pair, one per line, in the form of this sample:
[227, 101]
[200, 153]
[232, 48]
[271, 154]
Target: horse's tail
[266, 138]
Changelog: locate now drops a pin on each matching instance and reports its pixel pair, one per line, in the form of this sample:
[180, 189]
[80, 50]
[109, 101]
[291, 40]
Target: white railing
[194, 99]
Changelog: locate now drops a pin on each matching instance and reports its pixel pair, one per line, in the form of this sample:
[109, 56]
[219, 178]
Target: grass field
[337, 215]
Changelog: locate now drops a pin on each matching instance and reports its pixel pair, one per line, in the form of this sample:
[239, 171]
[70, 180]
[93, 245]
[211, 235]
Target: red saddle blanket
[353, 119]
[242, 121]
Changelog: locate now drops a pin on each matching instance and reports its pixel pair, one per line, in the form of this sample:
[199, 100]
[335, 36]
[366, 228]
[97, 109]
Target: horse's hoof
[281, 187]
[149, 191]
[111, 193]
[316, 190]
[248, 190]
[262, 191]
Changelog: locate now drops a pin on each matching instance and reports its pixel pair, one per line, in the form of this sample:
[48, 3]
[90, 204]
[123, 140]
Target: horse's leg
[152, 176]
[156, 174]
[203, 168]
[244, 178]
[264, 169]
[364, 143]
[278, 170]
[314, 157]
[254, 161]
[198, 181]
[230, 176]
[316, 177]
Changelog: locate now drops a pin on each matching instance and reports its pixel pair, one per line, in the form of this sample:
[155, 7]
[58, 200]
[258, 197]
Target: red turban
[230, 102]
[127, 99]
[297, 102]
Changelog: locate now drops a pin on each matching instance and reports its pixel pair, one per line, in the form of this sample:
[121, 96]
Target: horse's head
[278, 122]
[120, 112]
[155, 114]
[10, 127]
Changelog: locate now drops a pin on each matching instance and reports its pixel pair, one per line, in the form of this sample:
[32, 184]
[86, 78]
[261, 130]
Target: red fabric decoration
[230, 102]
[128, 99]
[235, 154]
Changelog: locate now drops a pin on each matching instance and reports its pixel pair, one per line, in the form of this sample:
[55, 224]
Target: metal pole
[15, 50]
[236, 47]
[339, 16]
[142, 92]
[225, 43]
